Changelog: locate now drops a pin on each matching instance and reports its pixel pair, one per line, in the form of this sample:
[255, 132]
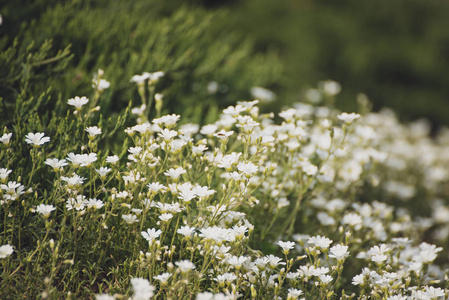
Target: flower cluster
[313, 206]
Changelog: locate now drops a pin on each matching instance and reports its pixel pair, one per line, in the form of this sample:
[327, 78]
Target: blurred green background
[394, 51]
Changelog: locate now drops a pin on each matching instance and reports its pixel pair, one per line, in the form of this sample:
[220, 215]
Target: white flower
[352, 219]
[293, 294]
[175, 173]
[151, 234]
[139, 110]
[142, 288]
[234, 111]
[226, 277]
[378, 258]
[78, 102]
[378, 249]
[94, 203]
[246, 122]
[189, 129]
[310, 169]
[77, 203]
[434, 293]
[198, 150]
[274, 261]
[45, 210]
[104, 297]
[56, 164]
[320, 242]
[165, 217]
[185, 266]
[4, 173]
[36, 139]
[168, 120]
[167, 134]
[325, 279]
[348, 118]
[237, 261]
[93, 131]
[130, 219]
[263, 94]
[331, 87]
[339, 252]
[229, 160]
[6, 250]
[222, 134]
[83, 160]
[155, 76]
[186, 231]
[156, 187]
[358, 279]
[163, 278]
[140, 79]
[286, 246]
[112, 159]
[5, 139]
[186, 195]
[247, 168]
[12, 190]
[427, 253]
[73, 181]
[101, 84]
[288, 115]
[208, 129]
[103, 171]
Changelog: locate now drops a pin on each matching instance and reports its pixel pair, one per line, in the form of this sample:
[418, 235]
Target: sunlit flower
[320, 242]
[331, 88]
[293, 294]
[348, 118]
[36, 139]
[186, 231]
[6, 250]
[45, 210]
[56, 164]
[168, 120]
[175, 173]
[165, 217]
[78, 102]
[93, 131]
[101, 84]
[167, 134]
[4, 174]
[247, 168]
[103, 171]
[77, 203]
[286, 246]
[163, 278]
[222, 134]
[112, 159]
[94, 203]
[151, 234]
[263, 94]
[104, 297]
[142, 288]
[73, 181]
[156, 187]
[6, 138]
[130, 219]
[185, 266]
[339, 252]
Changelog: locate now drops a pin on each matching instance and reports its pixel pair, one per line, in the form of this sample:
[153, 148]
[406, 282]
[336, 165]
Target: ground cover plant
[313, 203]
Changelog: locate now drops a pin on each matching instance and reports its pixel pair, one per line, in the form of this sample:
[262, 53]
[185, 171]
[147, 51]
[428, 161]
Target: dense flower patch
[311, 204]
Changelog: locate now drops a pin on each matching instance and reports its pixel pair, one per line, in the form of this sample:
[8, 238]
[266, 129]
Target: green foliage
[128, 38]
